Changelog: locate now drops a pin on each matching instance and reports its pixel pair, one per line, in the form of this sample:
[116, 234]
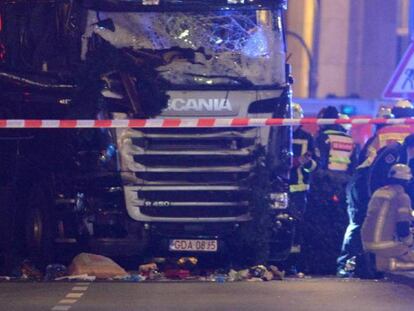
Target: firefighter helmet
[329, 112]
[400, 171]
[403, 109]
[297, 111]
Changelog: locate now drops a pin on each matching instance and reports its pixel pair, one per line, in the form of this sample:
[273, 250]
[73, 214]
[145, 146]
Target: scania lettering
[193, 104]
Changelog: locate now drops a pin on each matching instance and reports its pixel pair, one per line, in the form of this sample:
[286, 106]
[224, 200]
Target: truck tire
[39, 233]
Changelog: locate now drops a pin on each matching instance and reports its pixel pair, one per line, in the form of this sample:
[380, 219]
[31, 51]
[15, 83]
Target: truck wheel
[39, 233]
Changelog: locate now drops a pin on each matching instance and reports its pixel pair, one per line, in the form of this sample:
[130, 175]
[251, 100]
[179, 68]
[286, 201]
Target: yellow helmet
[403, 109]
[400, 171]
[404, 103]
[297, 111]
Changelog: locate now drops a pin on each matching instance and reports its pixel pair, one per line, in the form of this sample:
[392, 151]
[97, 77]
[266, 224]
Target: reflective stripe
[312, 168]
[303, 143]
[382, 217]
[337, 159]
[338, 167]
[380, 245]
[297, 188]
[341, 147]
[404, 210]
[371, 154]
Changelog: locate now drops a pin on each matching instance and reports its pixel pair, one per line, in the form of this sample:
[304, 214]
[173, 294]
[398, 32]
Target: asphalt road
[291, 295]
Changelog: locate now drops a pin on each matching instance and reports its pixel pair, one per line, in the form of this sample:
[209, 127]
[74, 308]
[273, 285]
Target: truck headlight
[279, 200]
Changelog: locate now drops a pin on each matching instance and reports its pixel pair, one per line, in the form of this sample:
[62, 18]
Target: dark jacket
[385, 159]
[303, 145]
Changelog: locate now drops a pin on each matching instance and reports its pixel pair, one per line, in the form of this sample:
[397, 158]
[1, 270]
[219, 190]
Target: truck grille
[188, 173]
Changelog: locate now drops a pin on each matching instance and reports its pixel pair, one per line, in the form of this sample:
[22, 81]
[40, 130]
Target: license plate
[193, 245]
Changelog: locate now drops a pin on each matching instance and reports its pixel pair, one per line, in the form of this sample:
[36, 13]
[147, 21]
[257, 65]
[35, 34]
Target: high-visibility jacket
[335, 150]
[383, 137]
[299, 174]
[388, 206]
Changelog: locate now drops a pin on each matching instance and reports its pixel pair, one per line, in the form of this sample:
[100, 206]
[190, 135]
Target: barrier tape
[193, 122]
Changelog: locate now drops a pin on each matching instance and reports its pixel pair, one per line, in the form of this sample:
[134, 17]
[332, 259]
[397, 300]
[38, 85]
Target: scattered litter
[150, 271]
[89, 267]
[277, 274]
[268, 276]
[177, 274]
[258, 271]
[95, 265]
[5, 278]
[300, 275]
[146, 268]
[243, 275]
[131, 278]
[54, 271]
[220, 278]
[29, 271]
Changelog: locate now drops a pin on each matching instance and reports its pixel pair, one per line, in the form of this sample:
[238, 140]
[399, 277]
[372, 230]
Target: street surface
[321, 294]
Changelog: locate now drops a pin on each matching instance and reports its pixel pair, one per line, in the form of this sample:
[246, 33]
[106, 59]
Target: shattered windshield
[227, 47]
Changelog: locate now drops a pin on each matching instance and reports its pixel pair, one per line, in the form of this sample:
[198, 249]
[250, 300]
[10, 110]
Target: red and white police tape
[192, 122]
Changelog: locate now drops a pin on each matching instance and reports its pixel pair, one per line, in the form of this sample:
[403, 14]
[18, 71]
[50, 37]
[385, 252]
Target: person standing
[326, 220]
[303, 165]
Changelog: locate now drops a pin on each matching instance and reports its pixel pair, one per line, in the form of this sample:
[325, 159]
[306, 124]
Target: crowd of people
[360, 196]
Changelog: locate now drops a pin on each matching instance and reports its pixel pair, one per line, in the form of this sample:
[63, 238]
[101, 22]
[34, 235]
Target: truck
[126, 191]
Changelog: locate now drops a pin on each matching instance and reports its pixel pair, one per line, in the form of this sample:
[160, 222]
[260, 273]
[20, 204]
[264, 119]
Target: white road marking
[67, 301]
[74, 295]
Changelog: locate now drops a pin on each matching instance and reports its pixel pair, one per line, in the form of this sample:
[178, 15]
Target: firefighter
[403, 109]
[386, 229]
[386, 158]
[385, 135]
[336, 157]
[357, 197]
[303, 165]
[334, 146]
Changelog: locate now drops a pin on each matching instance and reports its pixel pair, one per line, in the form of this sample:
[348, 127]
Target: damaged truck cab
[185, 190]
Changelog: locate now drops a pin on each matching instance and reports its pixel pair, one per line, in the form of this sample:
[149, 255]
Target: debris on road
[89, 267]
[30, 271]
[175, 274]
[277, 274]
[95, 265]
[5, 278]
[131, 278]
[147, 268]
[54, 271]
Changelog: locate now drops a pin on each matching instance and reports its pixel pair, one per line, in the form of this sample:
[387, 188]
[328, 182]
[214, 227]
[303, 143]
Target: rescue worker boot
[399, 265]
[393, 264]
